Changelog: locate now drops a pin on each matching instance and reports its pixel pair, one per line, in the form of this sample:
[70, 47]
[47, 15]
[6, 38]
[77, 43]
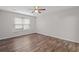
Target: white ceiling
[27, 10]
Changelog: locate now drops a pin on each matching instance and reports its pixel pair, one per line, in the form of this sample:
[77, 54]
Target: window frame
[22, 24]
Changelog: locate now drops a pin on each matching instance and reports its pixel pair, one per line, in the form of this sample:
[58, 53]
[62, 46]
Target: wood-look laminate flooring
[37, 43]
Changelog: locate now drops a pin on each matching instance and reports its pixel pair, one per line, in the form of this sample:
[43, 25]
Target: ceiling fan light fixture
[36, 11]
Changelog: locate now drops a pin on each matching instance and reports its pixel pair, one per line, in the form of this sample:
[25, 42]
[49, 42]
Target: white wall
[63, 24]
[7, 24]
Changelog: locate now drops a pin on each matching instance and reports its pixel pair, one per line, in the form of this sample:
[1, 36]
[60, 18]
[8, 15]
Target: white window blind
[22, 23]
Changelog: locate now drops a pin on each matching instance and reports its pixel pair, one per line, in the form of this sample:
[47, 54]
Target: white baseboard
[2, 38]
[72, 40]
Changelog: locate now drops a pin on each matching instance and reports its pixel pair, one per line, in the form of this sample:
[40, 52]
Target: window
[26, 24]
[21, 23]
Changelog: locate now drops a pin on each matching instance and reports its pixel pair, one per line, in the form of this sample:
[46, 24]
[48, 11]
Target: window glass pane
[26, 21]
[18, 21]
[18, 26]
[26, 27]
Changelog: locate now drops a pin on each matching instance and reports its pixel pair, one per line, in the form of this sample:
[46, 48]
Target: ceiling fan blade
[42, 9]
[39, 11]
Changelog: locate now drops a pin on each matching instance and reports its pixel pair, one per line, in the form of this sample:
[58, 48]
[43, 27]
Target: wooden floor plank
[37, 43]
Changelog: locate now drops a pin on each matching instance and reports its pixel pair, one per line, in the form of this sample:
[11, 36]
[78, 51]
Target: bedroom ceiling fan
[37, 9]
